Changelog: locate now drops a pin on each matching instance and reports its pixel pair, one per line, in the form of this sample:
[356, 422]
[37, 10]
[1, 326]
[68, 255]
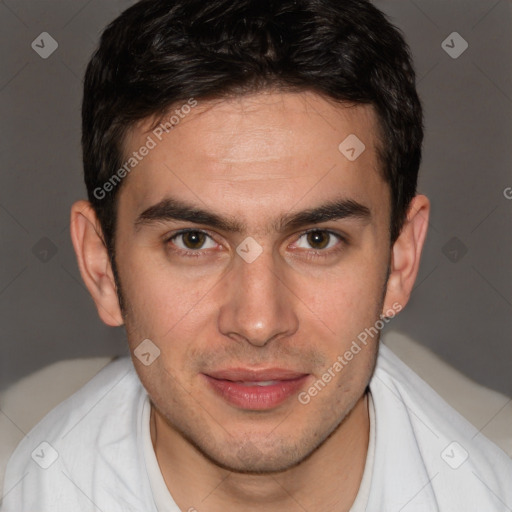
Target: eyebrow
[171, 209]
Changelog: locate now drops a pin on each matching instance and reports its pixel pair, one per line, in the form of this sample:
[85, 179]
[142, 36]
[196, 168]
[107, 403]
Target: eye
[192, 240]
[318, 240]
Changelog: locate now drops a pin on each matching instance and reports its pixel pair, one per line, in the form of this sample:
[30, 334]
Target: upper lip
[253, 375]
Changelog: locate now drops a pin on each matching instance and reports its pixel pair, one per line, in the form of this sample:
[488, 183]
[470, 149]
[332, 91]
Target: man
[253, 221]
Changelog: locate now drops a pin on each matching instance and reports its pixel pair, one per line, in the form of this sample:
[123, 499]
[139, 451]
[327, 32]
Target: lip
[239, 386]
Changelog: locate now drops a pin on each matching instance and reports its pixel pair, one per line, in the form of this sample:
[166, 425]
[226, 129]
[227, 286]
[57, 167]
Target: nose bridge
[257, 307]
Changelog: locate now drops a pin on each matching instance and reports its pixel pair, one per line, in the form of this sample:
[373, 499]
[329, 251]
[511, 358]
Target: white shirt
[88, 453]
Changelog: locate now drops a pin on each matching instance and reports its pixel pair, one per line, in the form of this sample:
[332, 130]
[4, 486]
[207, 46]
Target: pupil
[193, 239]
[318, 239]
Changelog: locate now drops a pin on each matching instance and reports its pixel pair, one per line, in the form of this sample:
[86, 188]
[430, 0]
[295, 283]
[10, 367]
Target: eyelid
[340, 236]
[183, 231]
[169, 237]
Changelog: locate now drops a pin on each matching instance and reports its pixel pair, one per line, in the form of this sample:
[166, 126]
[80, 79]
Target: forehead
[257, 152]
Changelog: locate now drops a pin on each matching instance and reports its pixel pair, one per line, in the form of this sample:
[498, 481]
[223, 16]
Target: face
[252, 252]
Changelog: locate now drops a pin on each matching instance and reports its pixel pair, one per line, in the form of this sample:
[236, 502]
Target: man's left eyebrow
[331, 211]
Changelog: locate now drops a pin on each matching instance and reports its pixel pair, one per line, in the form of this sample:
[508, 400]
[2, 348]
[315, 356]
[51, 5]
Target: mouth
[256, 390]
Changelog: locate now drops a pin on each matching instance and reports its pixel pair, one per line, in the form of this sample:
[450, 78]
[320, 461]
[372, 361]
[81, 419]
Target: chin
[251, 456]
[249, 460]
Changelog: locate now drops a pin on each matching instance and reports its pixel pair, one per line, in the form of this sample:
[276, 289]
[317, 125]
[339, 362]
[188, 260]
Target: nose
[259, 306]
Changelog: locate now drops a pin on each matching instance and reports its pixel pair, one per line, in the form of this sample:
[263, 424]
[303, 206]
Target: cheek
[347, 300]
[162, 298]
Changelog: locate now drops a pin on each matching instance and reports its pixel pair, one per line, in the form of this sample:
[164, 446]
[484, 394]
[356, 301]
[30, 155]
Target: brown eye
[318, 239]
[192, 240]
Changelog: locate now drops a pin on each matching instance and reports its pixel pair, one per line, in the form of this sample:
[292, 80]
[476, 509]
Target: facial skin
[297, 306]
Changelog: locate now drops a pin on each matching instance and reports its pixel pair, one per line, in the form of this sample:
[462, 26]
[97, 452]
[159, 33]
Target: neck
[327, 480]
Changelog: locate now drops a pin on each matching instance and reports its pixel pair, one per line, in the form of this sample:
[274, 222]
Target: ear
[94, 263]
[405, 255]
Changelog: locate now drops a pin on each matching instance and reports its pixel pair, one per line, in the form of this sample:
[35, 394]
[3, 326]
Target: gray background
[461, 306]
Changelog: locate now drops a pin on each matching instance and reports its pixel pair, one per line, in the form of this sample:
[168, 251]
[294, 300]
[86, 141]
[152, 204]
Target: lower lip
[256, 398]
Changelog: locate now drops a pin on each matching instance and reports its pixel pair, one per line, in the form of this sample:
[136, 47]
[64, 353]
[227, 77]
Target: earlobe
[406, 253]
[94, 263]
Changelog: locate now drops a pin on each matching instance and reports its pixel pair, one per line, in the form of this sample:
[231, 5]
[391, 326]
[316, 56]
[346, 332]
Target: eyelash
[313, 254]
[310, 255]
[193, 254]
